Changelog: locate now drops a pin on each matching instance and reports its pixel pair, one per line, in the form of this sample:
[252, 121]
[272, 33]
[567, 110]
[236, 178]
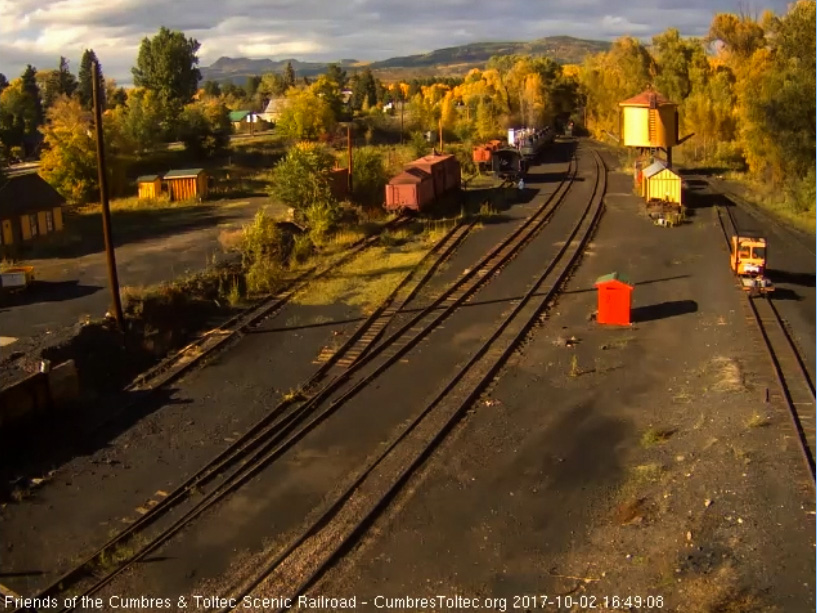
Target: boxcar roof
[184, 174]
[147, 178]
[410, 175]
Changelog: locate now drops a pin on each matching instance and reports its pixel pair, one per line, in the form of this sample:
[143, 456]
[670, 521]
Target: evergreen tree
[85, 87]
[32, 91]
[67, 81]
[289, 76]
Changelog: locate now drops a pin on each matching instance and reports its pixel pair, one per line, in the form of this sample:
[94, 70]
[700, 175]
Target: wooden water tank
[649, 120]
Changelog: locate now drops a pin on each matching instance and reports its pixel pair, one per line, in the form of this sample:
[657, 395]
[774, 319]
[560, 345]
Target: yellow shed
[661, 183]
[150, 186]
[649, 120]
[187, 184]
[29, 208]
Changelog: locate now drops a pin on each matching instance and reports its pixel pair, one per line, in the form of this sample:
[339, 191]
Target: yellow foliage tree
[69, 161]
[305, 115]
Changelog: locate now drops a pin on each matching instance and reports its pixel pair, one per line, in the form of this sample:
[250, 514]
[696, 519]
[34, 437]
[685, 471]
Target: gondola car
[508, 164]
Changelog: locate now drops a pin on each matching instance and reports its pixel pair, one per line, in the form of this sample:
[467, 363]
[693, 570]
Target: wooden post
[103, 194]
[349, 147]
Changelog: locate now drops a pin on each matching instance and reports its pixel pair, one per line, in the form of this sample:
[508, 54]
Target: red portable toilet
[615, 299]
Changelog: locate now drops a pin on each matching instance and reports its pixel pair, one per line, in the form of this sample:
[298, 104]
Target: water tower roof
[649, 98]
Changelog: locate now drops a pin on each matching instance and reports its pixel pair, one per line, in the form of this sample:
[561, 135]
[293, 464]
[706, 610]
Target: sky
[39, 31]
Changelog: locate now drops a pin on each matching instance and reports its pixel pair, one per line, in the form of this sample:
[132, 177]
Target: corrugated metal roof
[184, 174]
[653, 169]
[27, 193]
[614, 276]
[147, 178]
[644, 99]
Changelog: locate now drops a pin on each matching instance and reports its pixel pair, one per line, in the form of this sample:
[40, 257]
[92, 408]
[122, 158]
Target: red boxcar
[444, 170]
[412, 189]
[481, 154]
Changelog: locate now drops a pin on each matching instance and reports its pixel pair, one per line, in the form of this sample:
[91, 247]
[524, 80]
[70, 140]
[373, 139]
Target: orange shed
[481, 154]
[615, 293]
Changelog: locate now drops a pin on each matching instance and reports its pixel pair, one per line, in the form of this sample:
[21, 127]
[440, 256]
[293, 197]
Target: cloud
[39, 31]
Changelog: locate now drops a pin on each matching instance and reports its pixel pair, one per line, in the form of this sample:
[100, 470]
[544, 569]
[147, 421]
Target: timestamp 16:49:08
[588, 602]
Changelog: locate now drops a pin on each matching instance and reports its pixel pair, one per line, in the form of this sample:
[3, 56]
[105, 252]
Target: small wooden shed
[150, 186]
[29, 208]
[661, 183]
[187, 184]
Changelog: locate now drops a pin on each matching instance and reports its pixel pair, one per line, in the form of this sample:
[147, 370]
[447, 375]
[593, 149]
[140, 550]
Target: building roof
[27, 193]
[275, 105]
[238, 115]
[147, 178]
[411, 175]
[614, 276]
[654, 169]
[645, 98]
[184, 174]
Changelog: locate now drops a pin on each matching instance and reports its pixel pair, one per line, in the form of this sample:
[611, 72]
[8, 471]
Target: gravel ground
[655, 472]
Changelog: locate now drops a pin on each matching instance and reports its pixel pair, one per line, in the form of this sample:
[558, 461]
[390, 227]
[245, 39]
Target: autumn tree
[138, 119]
[85, 86]
[204, 128]
[69, 161]
[305, 115]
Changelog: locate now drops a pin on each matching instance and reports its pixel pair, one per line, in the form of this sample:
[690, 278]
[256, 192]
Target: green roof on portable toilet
[614, 276]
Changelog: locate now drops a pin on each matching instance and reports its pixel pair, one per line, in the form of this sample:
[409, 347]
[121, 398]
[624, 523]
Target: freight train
[530, 141]
[424, 182]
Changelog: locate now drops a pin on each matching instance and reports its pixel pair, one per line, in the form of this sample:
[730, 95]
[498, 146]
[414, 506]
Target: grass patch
[368, 279]
[729, 375]
[647, 473]
[654, 436]
[758, 421]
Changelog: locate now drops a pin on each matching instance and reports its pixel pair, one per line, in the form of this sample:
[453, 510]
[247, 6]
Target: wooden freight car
[412, 189]
[444, 170]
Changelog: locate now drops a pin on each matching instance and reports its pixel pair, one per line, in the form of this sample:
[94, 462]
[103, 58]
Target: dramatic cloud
[39, 31]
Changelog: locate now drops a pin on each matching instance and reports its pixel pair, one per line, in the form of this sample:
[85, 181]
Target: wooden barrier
[38, 394]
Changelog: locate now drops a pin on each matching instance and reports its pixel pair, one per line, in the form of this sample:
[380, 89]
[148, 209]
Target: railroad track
[796, 389]
[277, 431]
[290, 572]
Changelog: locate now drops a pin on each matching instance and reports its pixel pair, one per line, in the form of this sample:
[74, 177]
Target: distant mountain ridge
[448, 61]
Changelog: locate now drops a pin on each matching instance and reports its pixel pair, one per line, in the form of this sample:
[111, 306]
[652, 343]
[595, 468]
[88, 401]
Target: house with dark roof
[29, 208]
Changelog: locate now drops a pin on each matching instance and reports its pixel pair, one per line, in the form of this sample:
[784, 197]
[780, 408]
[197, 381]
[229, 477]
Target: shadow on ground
[83, 233]
[48, 291]
[663, 310]
[37, 447]
[802, 279]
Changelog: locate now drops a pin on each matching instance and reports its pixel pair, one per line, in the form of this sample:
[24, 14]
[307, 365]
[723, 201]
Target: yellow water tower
[648, 122]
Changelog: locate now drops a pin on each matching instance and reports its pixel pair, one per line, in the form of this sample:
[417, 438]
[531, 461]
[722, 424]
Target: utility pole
[441, 134]
[402, 108]
[349, 148]
[103, 195]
